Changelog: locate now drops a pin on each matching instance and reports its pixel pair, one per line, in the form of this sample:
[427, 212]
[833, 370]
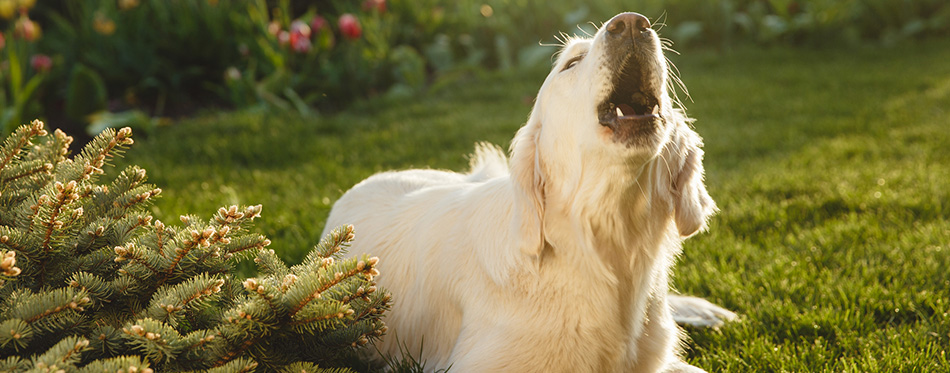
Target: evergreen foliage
[89, 282]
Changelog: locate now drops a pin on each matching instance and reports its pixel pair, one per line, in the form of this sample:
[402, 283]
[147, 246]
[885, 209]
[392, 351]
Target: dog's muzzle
[632, 108]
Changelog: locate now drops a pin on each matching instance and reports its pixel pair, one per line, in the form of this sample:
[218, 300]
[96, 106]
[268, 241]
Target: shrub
[171, 57]
[89, 282]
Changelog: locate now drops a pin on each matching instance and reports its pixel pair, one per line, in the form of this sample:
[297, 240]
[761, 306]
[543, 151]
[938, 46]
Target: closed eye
[573, 61]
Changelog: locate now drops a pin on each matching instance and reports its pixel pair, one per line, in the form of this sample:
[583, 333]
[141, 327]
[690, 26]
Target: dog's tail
[489, 161]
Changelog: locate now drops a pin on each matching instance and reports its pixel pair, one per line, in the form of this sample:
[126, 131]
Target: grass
[831, 169]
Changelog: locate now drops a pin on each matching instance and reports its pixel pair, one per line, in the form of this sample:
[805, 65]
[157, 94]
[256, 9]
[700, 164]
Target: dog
[557, 257]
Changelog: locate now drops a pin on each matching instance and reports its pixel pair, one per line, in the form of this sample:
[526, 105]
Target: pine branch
[168, 302]
[86, 260]
[62, 355]
[153, 338]
[118, 364]
[14, 364]
[24, 170]
[19, 140]
[329, 278]
[15, 333]
[235, 366]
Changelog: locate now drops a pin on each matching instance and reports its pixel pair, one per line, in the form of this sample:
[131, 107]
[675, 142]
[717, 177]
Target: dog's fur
[556, 259]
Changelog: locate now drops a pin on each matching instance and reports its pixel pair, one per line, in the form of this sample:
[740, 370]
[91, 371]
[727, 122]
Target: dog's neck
[613, 225]
[616, 210]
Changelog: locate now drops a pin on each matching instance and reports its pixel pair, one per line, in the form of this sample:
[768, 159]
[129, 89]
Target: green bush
[89, 282]
[172, 57]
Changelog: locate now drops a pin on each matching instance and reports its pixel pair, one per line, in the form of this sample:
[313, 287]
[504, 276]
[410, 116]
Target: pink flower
[41, 63]
[350, 26]
[300, 44]
[26, 28]
[273, 28]
[379, 5]
[301, 28]
[283, 37]
[3, 40]
[318, 24]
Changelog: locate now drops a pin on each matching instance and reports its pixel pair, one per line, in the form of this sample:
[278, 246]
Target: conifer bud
[138, 329]
[253, 211]
[372, 261]
[216, 286]
[123, 135]
[250, 284]
[326, 262]
[289, 280]
[360, 265]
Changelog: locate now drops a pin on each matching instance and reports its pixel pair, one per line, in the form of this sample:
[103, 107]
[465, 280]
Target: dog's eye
[573, 61]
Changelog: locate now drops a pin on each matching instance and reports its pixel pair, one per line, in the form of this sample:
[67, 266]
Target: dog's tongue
[626, 110]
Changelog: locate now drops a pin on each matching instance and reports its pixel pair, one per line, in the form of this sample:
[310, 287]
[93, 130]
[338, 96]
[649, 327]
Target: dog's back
[397, 217]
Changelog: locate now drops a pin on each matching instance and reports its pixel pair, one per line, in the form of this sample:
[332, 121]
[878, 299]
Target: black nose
[622, 22]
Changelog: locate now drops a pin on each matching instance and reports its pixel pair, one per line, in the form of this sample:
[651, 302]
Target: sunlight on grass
[830, 168]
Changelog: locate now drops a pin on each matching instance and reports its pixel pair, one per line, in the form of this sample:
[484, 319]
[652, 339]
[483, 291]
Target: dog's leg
[698, 312]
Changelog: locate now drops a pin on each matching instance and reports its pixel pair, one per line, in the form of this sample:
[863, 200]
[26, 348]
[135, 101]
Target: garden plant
[90, 281]
[825, 127]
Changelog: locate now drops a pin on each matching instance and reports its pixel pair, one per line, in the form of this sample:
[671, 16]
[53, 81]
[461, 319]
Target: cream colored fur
[555, 260]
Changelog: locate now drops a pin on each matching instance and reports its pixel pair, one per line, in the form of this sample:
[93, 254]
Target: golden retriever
[557, 259]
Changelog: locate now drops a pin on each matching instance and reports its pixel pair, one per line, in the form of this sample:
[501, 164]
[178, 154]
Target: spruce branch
[154, 339]
[87, 277]
[235, 366]
[130, 364]
[14, 364]
[98, 290]
[16, 333]
[51, 308]
[20, 138]
[62, 355]
[25, 170]
[169, 302]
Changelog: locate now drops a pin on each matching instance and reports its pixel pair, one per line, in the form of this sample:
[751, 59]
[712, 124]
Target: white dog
[555, 260]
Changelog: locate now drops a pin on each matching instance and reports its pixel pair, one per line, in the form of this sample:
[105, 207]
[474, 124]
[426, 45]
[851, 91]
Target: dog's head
[605, 115]
[616, 84]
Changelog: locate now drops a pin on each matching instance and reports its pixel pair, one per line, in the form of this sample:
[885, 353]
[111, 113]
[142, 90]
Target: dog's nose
[627, 21]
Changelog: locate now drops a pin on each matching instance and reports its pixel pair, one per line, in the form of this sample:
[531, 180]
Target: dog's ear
[528, 181]
[682, 180]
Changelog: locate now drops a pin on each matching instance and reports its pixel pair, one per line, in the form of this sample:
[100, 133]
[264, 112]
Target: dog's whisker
[585, 31]
[676, 82]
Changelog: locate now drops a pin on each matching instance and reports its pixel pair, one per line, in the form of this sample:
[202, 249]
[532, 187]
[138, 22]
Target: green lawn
[831, 168]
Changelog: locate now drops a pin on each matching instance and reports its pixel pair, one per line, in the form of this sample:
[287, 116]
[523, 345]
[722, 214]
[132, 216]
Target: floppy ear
[692, 205]
[528, 181]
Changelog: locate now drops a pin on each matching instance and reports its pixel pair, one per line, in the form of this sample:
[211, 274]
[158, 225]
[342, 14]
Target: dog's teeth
[619, 112]
[656, 109]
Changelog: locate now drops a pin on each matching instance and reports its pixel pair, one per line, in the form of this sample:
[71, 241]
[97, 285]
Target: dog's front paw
[698, 312]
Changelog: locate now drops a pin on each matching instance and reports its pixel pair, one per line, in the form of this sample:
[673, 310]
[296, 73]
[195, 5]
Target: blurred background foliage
[90, 64]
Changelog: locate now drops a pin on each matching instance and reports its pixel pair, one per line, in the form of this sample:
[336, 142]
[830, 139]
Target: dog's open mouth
[629, 105]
